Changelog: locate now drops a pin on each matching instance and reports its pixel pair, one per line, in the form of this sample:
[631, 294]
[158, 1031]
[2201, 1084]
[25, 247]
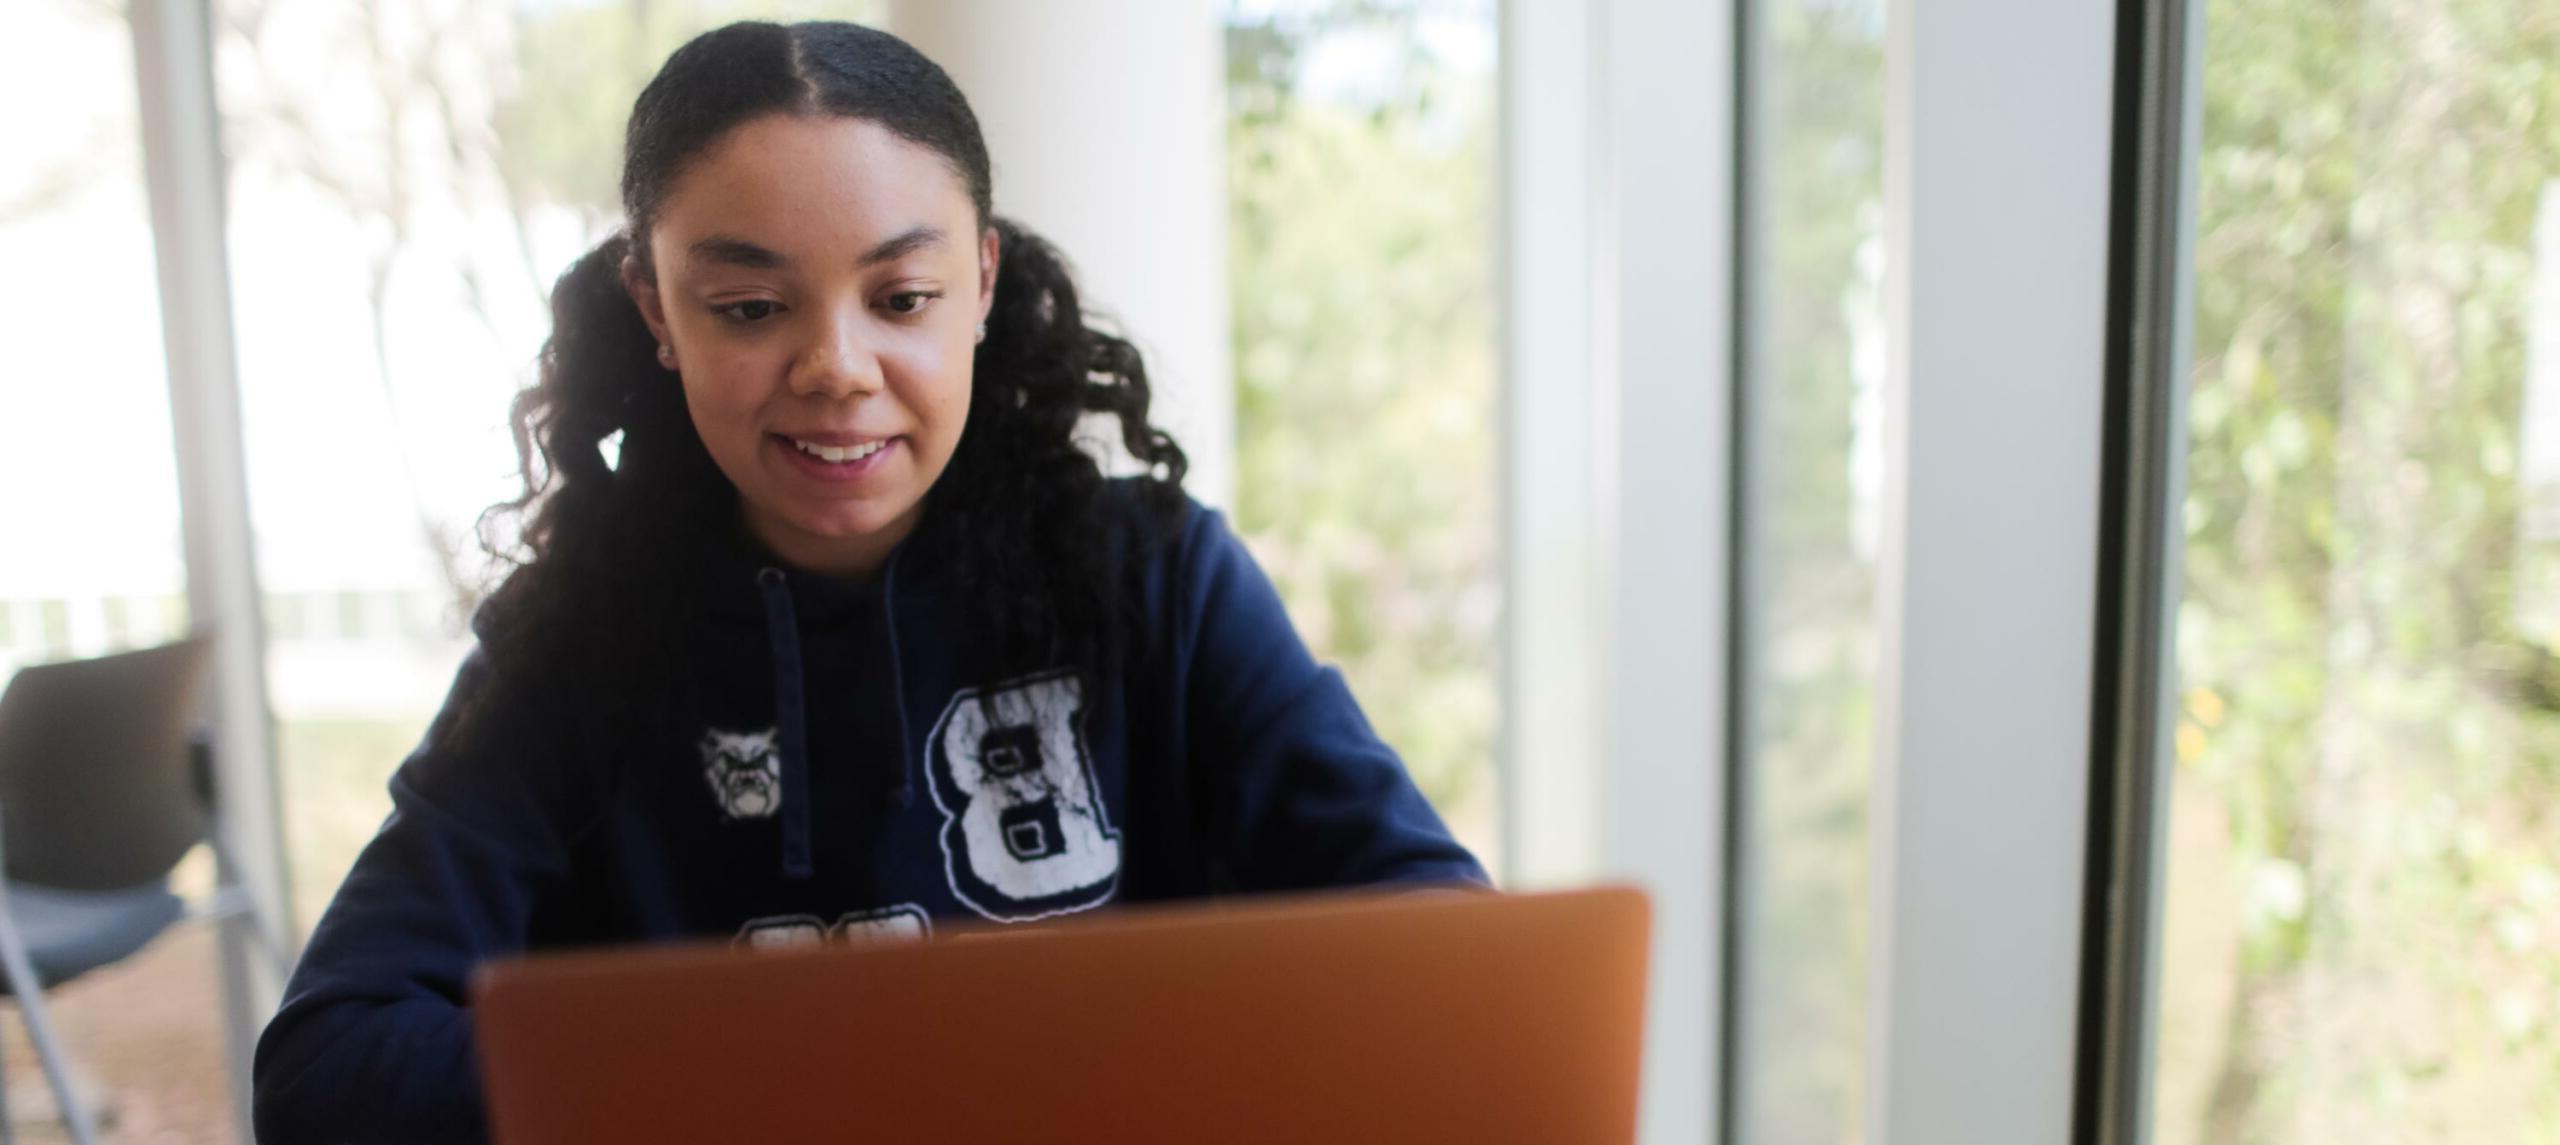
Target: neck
[855, 559]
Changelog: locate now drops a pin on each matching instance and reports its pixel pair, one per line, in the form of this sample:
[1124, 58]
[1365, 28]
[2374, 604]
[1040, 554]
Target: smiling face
[820, 282]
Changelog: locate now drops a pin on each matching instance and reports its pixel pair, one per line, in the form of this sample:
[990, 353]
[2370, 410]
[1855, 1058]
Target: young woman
[849, 634]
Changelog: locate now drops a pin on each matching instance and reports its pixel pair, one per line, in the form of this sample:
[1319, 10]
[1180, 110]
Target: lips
[833, 458]
[838, 454]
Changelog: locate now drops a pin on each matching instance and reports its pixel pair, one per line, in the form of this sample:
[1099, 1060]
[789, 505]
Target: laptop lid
[1453, 1016]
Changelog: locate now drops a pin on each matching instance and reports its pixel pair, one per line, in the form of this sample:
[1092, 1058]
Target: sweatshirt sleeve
[1303, 793]
[373, 1041]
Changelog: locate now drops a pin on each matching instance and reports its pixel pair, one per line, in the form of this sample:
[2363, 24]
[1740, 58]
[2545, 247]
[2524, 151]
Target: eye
[750, 311]
[911, 301]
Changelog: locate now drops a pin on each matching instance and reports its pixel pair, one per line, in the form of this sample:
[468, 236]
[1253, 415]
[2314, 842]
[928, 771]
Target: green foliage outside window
[1359, 240]
[1817, 165]
[2363, 938]
[2364, 910]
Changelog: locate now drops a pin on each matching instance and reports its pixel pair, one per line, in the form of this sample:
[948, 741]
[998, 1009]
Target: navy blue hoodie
[845, 781]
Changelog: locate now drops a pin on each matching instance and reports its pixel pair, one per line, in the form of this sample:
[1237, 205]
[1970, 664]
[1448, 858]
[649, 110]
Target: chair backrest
[98, 786]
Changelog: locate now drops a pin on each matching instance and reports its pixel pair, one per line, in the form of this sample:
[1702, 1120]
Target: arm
[1302, 791]
[373, 1042]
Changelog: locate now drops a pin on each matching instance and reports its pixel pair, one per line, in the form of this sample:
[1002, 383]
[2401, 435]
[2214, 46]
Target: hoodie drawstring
[901, 791]
[791, 720]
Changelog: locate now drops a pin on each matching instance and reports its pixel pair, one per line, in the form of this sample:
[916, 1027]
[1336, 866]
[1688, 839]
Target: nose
[838, 362]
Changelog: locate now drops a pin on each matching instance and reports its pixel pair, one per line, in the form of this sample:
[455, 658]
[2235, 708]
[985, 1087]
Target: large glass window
[89, 538]
[2363, 906]
[91, 560]
[1813, 364]
[1365, 405]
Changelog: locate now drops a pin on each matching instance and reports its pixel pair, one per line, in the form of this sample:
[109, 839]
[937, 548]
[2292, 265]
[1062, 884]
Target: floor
[149, 1031]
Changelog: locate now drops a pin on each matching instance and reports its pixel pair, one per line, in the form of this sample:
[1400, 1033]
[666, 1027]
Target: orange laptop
[1478, 1018]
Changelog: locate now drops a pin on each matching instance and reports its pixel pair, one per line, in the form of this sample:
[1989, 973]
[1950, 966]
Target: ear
[990, 255]
[644, 294]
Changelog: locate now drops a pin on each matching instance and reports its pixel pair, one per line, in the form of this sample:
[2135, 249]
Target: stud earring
[666, 356]
[982, 331]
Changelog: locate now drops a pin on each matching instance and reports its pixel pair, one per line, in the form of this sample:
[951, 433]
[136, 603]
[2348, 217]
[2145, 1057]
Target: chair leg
[8, 1131]
[30, 994]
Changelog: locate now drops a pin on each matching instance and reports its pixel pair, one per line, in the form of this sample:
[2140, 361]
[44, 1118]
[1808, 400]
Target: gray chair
[104, 786]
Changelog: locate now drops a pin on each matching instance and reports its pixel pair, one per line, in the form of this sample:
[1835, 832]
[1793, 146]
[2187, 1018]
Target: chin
[850, 523]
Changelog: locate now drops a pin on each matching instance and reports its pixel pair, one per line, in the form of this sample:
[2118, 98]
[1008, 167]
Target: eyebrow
[916, 238]
[723, 249]
[730, 250]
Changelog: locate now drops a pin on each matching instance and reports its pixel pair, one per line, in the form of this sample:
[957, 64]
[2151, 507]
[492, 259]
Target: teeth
[839, 454]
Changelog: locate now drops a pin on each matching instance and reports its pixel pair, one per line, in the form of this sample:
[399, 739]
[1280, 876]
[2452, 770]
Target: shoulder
[507, 706]
[1189, 568]
[1163, 534]
[1175, 537]
[514, 757]
[1149, 513]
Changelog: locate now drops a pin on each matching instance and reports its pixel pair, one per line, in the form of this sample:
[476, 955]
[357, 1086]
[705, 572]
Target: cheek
[935, 389]
[951, 402]
[726, 413]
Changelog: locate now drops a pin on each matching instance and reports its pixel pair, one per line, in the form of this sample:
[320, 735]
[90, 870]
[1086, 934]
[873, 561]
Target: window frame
[2133, 690]
[1617, 252]
[184, 174]
[1998, 220]
[2005, 231]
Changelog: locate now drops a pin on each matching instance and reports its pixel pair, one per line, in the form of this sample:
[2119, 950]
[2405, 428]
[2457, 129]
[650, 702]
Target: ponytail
[1026, 494]
[593, 539]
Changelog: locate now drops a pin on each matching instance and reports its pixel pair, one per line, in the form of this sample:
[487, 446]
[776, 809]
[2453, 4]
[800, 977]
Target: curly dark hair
[599, 553]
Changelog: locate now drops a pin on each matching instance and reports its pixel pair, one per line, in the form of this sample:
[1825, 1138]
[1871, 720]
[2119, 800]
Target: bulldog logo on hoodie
[745, 772]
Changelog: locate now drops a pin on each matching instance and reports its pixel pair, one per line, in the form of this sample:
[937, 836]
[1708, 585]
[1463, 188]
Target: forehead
[806, 182]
